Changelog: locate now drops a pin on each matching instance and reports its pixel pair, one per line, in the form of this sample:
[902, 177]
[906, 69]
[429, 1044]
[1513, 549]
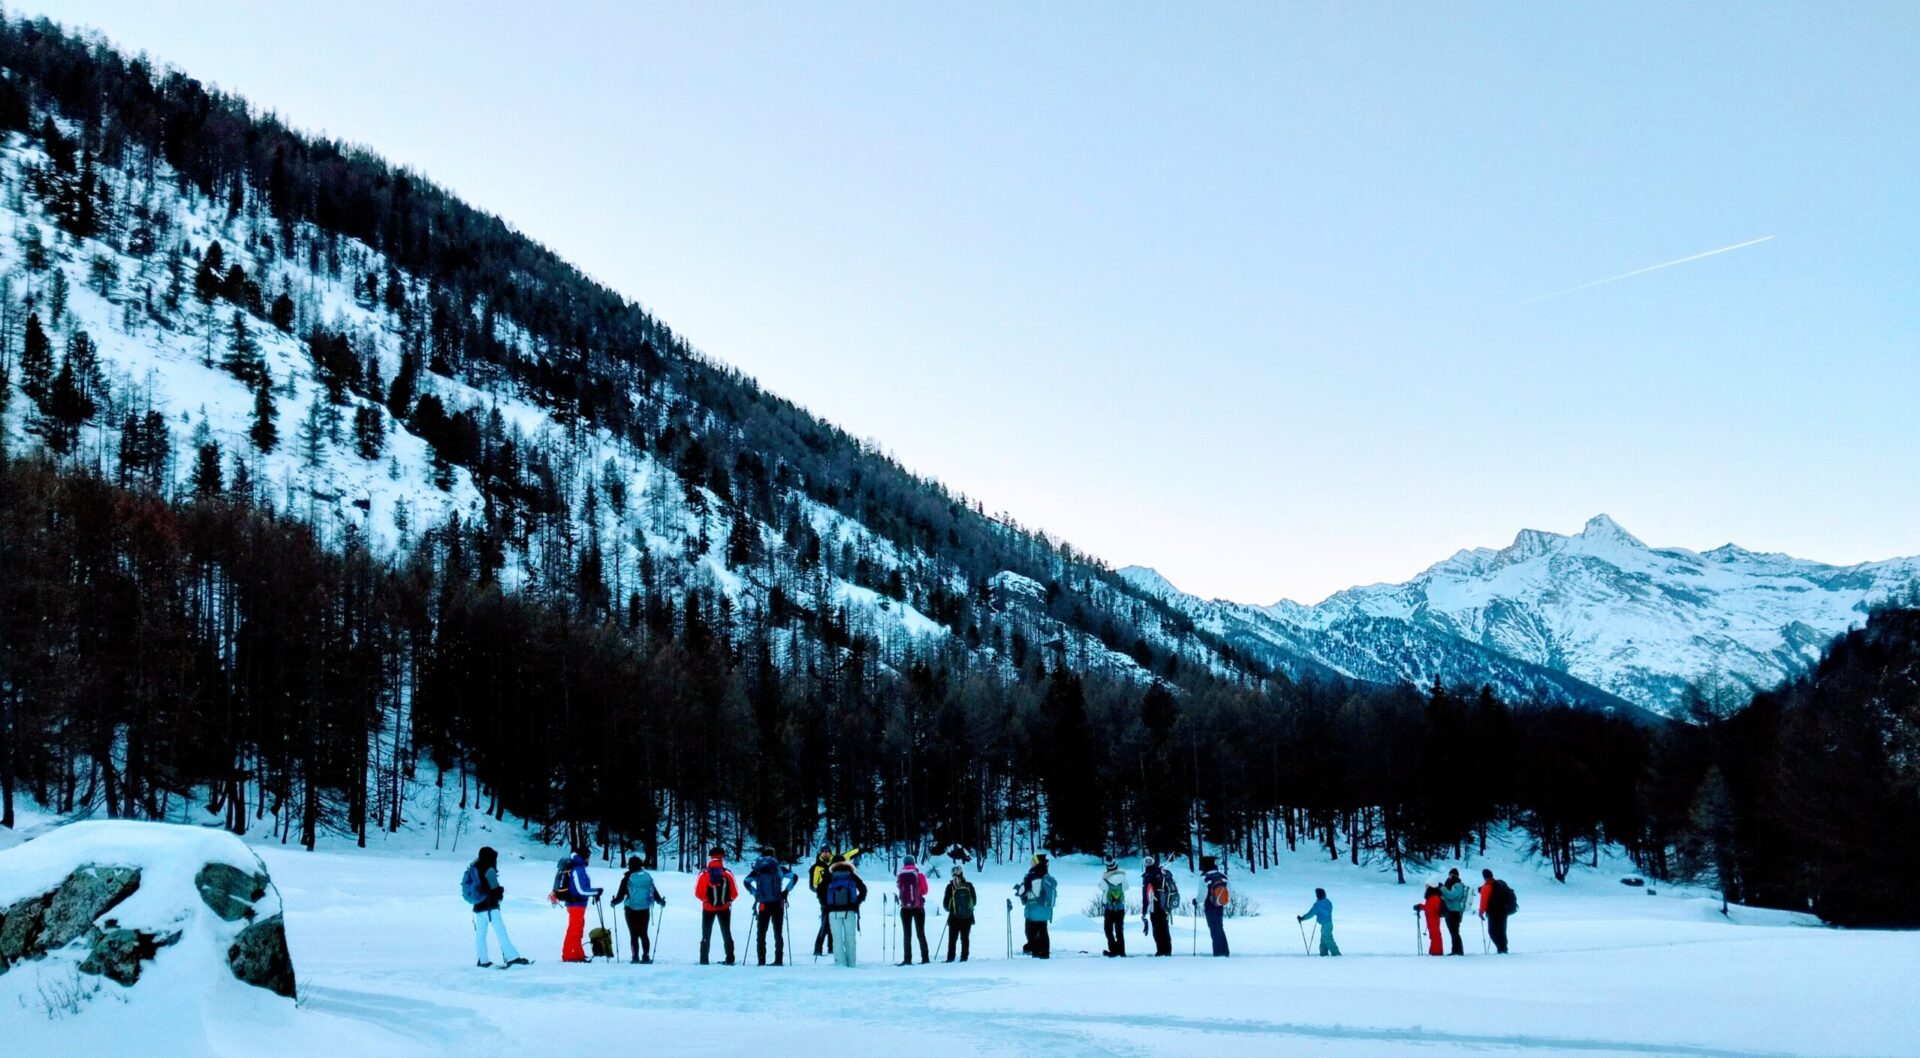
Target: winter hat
[908, 862]
[1111, 863]
[959, 872]
[717, 852]
[633, 863]
[1454, 873]
[1150, 861]
[1039, 858]
[1208, 863]
[577, 860]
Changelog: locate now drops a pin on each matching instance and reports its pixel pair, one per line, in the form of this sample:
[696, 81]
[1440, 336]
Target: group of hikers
[840, 892]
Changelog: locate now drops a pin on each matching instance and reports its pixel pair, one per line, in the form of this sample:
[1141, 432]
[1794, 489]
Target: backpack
[1116, 896]
[473, 885]
[1505, 900]
[1217, 893]
[765, 882]
[842, 894]
[908, 883]
[717, 887]
[562, 884]
[1169, 892]
[963, 901]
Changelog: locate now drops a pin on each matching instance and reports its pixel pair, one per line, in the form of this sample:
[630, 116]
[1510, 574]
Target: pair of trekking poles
[659, 922]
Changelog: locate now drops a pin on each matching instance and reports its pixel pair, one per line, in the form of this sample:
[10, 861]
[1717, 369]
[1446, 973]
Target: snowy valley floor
[384, 947]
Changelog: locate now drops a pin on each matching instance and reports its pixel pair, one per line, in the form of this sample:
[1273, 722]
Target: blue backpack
[842, 894]
[473, 885]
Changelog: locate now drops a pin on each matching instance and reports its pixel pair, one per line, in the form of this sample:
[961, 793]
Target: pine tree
[369, 432]
[57, 295]
[36, 362]
[206, 480]
[313, 434]
[283, 313]
[263, 433]
[207, 278]
[243, 353]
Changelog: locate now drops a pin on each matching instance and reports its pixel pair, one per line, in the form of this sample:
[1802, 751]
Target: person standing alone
[716, 891]
[482, 889]
[1322, 913]
[1159, 895]
[1038, 892]
[1453, 907]
[1497, 904]
[770, 904]
[1113, 909]
[959, 902]
[636, 894]
[572, 887]
[841, 896]
[912, 885]
[1214, 881]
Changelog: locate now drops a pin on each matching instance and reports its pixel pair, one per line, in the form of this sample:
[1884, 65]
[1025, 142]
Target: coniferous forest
[173, 632]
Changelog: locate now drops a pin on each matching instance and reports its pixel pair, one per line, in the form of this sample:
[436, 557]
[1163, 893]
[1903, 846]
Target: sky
[1276, 299]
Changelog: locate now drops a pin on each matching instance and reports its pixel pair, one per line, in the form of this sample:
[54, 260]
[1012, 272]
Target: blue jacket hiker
[572, 887]
[1322, 913]
[765, 882]
[480, 887]
[1038, 893]
[637, 897]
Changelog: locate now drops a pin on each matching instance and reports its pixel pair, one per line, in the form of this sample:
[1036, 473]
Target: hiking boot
[518, 961]
[483, 964]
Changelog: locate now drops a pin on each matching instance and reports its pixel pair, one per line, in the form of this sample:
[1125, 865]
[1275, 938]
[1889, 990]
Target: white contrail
[1649, 268]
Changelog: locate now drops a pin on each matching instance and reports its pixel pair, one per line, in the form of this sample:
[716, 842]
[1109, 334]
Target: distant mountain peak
[1148, 580]
[1602, 527]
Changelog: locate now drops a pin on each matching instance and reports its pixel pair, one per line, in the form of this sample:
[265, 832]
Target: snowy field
[384, 947]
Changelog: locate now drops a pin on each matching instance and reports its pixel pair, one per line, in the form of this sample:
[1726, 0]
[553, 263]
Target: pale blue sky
[1241, 292]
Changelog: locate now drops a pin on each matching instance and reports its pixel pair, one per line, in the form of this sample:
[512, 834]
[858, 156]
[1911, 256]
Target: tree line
[202, 648]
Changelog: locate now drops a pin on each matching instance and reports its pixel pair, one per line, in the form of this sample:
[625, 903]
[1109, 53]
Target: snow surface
[383, 948]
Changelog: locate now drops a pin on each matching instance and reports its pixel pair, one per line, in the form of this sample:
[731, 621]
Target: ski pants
[959, 931]
[1162, 933]
[823, 940]
[912, 920]
[1497, 931]
[1217, 927]
[724, 916]
[1115, 923]
[1039, 945]
[637, 937]
[483, 921]
[1433, 934]
[1453, 927]
[776, 916]
[570, 950]
[845, 926]
[1327, 946]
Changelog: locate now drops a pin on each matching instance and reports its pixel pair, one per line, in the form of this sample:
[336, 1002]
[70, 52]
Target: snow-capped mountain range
[1638, 623]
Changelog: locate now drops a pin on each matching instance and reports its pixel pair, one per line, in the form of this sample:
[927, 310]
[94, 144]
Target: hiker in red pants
[1431, 905]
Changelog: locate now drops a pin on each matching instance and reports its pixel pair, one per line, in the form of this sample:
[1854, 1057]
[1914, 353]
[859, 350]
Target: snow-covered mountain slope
[1599, 606]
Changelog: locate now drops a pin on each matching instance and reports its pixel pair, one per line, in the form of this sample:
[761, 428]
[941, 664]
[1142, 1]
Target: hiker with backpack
[716, 891]
[573, 888]
[770, 903]
[1429, 905]
[1113, 909]
[1322, 914]
[959, 902]
[1038, 893]
[1497, 904]
[1214, 881]
[841, 897]
[636, 895]
[911, 884]
[480, 887]
[1159, 895]
[816, 880]
[1453, 907]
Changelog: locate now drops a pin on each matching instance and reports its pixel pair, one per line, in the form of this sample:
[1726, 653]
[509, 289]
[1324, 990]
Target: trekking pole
[616, 938]
[1009, 927]
[1483, 936]
[1416, 931]
[601, 914]
[1303, 939]
[1194, 905]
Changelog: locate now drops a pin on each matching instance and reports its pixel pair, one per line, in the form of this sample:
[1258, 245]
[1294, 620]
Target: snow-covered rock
[182, 910]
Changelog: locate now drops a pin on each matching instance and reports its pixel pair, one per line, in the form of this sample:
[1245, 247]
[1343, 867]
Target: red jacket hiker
[1431, 905]
[710, 897]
